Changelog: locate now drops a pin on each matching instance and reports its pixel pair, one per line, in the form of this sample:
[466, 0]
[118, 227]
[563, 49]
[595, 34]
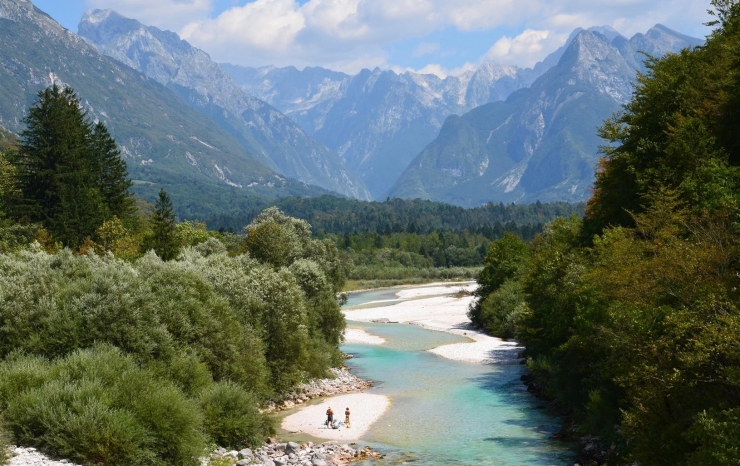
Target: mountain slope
[376, 120]
[163, 140]
[541, 143]
[191, 74]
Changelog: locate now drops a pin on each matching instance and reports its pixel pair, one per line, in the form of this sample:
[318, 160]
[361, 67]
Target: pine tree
[69, 175]
[114, 182]
[163, 240]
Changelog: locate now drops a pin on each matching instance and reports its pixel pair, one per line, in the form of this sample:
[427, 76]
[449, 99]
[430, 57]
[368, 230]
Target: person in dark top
[329, 417]
[346, 417]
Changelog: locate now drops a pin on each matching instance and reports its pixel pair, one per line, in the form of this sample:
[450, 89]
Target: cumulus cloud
[347, 34]
[526, 49]
[439, 70]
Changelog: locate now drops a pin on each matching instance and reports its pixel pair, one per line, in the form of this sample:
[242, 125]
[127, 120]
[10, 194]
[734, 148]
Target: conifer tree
[114, 182]
[69, 176]
[164, 237]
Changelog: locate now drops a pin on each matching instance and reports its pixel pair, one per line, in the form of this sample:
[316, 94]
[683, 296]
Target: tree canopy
[631, 316]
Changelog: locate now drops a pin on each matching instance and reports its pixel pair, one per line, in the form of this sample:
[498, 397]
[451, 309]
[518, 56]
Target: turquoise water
[447, 412]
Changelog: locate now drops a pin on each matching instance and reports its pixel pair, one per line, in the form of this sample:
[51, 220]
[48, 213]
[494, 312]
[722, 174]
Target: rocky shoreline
[293, 454]
[343, 382]
[271, 454]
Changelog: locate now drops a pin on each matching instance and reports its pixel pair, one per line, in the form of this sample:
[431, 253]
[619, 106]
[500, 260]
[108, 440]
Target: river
[446, 412]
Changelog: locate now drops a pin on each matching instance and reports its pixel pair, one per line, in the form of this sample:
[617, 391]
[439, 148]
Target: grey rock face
[191, 74]
[162, 139]
[542, 142]
[377, 120]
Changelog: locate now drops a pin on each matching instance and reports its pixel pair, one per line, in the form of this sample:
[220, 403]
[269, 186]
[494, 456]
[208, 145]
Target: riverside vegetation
[630, 316]
[129, 338]
[114, 355]
[412, 241]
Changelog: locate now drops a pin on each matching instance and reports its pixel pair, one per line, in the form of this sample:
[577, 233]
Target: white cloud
[345, 34]
[526, 49]
[266, 25]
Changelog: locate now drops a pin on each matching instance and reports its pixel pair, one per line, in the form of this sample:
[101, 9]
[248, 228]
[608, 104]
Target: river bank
[455, 394]
[442, 307]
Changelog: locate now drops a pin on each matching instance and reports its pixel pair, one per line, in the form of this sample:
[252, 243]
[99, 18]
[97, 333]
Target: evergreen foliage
[163, 239]
[69, 174]
[341, 216]
[630, 316]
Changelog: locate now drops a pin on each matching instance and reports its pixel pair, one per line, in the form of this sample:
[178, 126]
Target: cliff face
[541, 143]
[377, 121]
[190, 73]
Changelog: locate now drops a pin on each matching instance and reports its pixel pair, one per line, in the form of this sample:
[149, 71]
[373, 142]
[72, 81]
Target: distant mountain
[541, 143]
[190, 73]
[378, 121]
[164, 142]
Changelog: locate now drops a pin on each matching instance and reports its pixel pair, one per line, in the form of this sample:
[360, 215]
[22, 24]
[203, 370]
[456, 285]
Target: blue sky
[440, 36]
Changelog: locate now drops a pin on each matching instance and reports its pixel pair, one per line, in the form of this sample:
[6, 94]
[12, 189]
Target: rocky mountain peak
[199, 81]
[593, 59]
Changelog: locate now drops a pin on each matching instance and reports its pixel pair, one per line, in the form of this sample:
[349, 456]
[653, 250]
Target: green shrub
[232, 419]
[5, 442]
[97, 406]
[503, 309]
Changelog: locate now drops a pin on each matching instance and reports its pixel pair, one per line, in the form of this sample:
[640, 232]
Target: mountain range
[498, 133]
[541, 143]
[164, 141]
[380, 121]
[277, 141]
[377, 120]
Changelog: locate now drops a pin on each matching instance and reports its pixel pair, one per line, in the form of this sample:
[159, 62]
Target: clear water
[447, 412]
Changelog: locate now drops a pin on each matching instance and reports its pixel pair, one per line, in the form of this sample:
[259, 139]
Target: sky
[435, 36]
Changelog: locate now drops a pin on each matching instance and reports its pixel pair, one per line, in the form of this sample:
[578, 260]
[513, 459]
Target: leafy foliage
[97, 407]
[631, 317]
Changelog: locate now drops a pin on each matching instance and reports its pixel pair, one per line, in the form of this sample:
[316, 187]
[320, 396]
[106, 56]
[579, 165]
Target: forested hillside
[631, 316]
[331, 214]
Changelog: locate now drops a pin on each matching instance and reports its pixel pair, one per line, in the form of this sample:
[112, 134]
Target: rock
[246, 453]
[318, 462]
[280, 461]
[243, 462]
[292, 447]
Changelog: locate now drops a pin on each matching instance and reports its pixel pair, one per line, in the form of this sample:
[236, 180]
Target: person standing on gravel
[346, 417]
[329, 417]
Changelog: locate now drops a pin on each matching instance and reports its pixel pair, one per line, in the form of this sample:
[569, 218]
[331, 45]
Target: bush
[97, 406]
[503, 309]
[232, 419]
[5, 443]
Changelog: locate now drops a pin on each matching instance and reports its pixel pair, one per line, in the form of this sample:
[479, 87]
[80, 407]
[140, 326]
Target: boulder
[292, 447]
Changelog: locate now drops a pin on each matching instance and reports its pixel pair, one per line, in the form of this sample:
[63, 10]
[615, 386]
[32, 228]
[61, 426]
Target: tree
[505, 259]
[69, 175]
[164, 231]
[114, 182]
